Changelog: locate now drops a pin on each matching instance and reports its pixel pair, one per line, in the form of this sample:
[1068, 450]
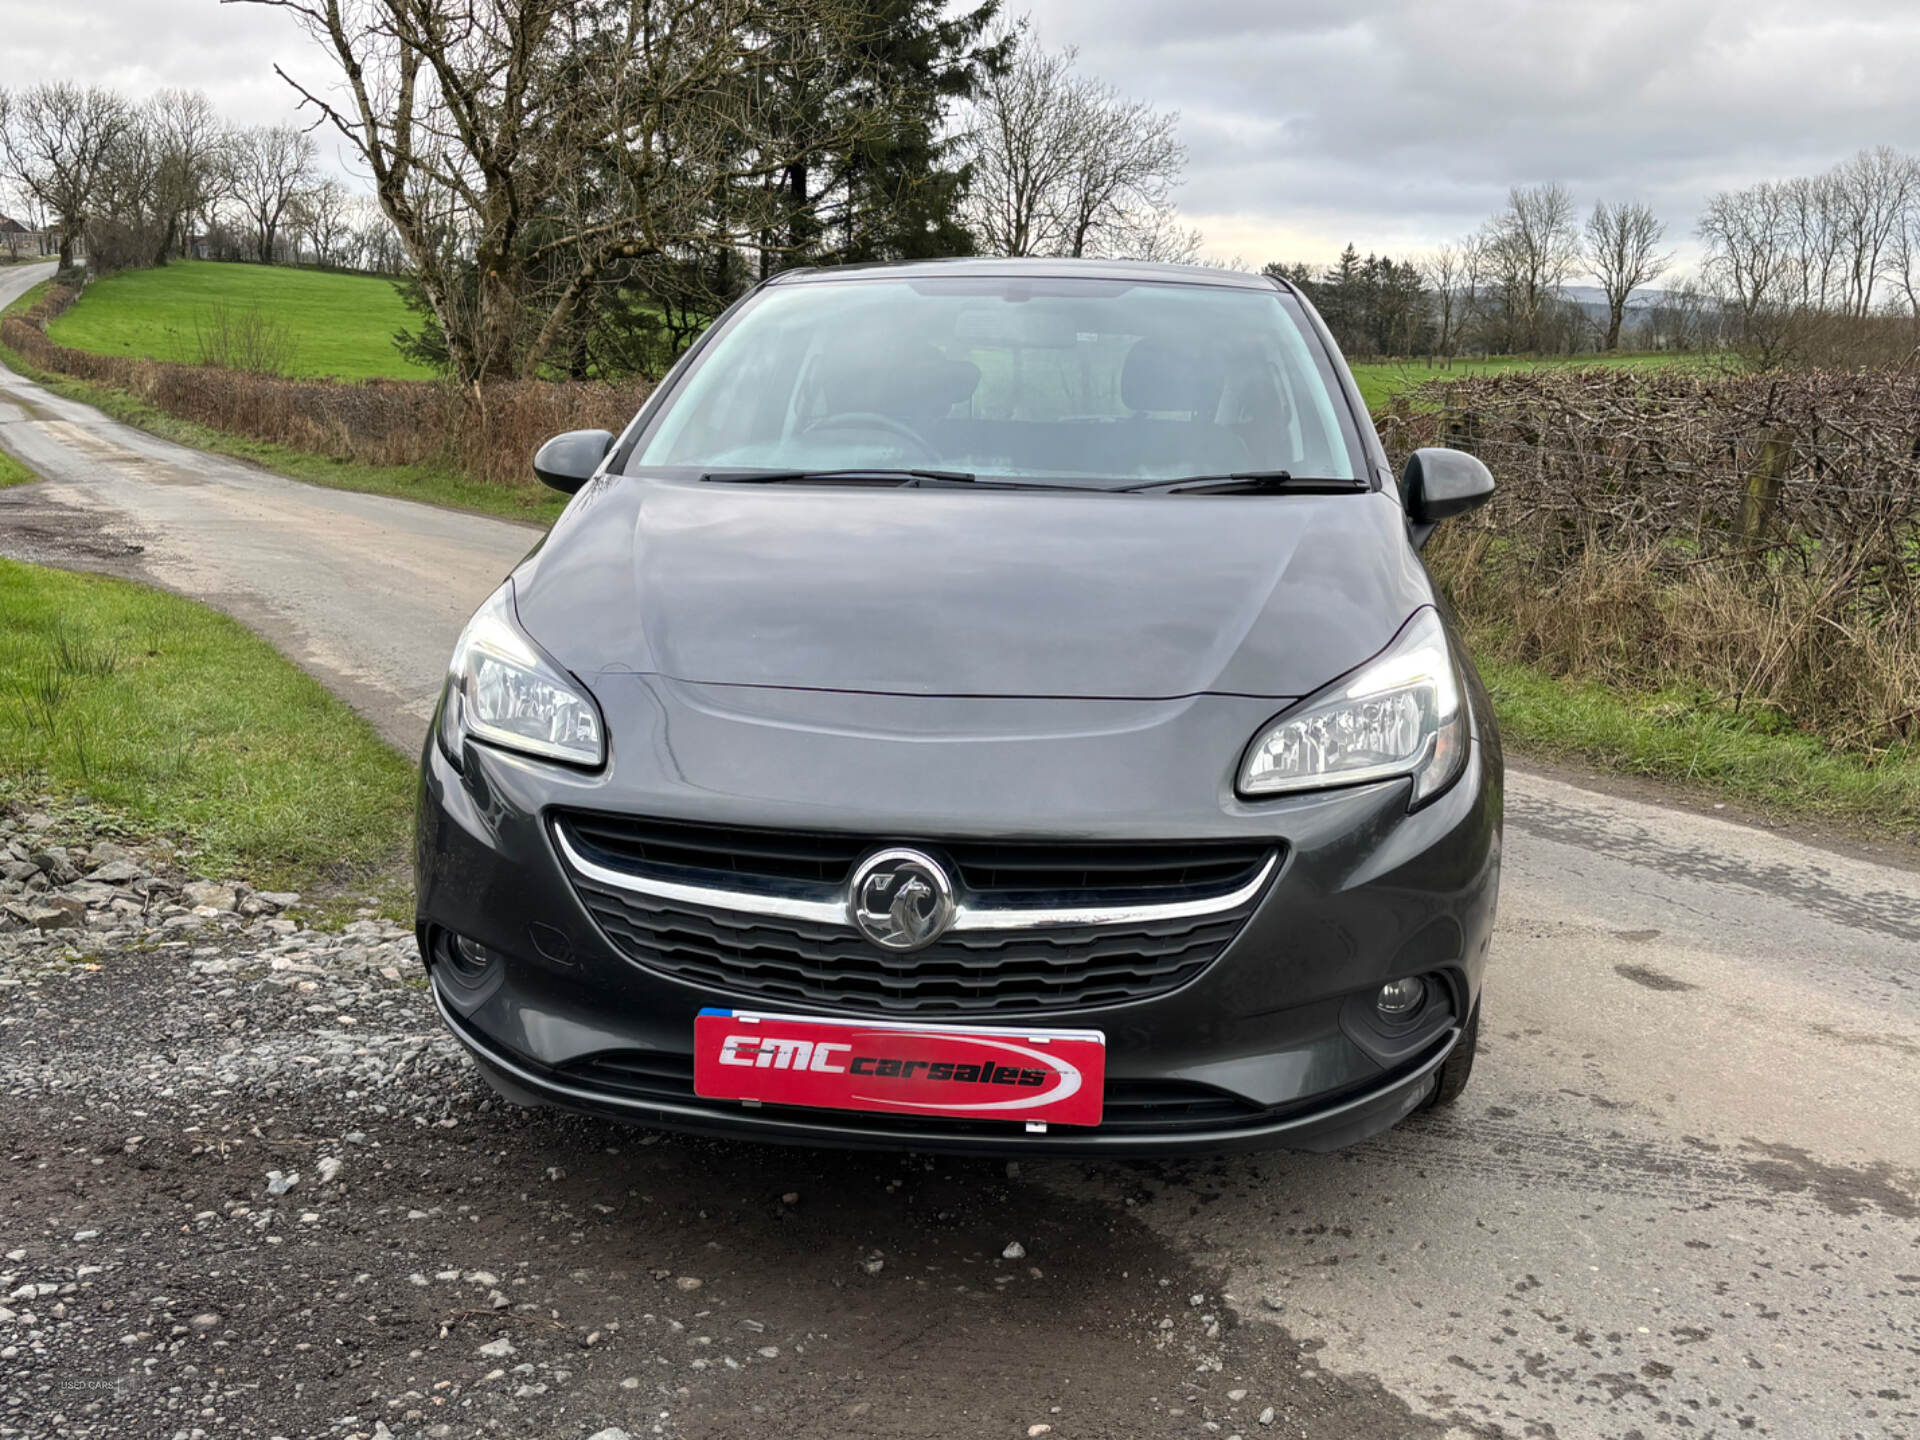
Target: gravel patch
[252, 1188]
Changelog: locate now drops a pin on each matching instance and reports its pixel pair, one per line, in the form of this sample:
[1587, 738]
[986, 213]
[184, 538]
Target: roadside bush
[488, 432]
[1758, 536]
[231, 338]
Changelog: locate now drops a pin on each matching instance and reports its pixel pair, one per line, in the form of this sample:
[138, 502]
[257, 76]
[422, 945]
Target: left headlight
[1399, 714]
[502, 690]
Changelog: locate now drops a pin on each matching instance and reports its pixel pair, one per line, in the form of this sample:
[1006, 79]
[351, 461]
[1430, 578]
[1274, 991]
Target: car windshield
[1090, 381]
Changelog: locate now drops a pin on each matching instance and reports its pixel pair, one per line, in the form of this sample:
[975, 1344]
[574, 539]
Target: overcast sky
[1401, 123]
[1394, 123]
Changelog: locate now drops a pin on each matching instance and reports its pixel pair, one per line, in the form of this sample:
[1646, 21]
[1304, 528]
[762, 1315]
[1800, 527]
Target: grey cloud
[138, 46]
[1397, 118]
[1392, 122]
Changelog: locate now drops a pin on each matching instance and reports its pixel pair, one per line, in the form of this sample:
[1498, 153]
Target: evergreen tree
[1373, 306]
[894, 193]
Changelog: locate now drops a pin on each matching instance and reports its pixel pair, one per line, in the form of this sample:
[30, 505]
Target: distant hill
[1593, 300]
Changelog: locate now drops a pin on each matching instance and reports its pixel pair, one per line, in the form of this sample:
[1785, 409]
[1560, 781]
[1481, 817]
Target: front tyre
[1458, 1067]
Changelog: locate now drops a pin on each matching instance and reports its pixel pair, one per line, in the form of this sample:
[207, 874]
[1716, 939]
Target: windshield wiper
[878, 475]
[881, 475]
[1249, 482]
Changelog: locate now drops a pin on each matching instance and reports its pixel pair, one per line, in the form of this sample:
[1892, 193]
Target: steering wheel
[872, 420]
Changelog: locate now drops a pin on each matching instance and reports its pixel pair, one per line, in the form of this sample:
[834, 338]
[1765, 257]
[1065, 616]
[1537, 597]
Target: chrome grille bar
[827, 905]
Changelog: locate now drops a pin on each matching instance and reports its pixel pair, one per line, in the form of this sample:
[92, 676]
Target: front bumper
[1326, 1125]
[1268, 1046]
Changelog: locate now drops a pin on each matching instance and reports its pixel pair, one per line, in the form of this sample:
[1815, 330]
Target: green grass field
[343, 325]
[1381, 381]
[195, 730]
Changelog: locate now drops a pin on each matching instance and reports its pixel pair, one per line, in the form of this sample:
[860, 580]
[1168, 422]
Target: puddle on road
[43, 531]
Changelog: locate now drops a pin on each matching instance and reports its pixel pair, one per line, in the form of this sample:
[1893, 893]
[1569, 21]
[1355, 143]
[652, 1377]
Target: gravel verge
[251, 1188]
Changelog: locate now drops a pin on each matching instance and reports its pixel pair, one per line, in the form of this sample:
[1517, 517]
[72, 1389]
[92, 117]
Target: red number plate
[972, 1073]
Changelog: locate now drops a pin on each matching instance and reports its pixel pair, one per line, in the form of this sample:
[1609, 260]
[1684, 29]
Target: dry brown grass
[489, 433]
[1756, 536]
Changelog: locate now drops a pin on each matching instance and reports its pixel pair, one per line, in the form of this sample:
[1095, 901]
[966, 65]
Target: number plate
[964, 1072]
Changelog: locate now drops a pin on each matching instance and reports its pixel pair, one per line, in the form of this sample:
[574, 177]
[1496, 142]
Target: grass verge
[342, 325]
[27, 299]
[195, 730]
[1688, 738]
[12, 472]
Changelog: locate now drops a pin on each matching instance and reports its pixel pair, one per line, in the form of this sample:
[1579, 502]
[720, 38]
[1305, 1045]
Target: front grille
[1110, 870]
[1158, 1106]
[716, 851]
[966, 973]
[712, 928]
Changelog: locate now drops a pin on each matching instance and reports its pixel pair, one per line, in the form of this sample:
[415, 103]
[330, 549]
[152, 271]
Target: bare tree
[271, 165]
[1756, 265]
[1871, 194]
[1808, 268]
[194, 164]
[1119, 201]
[13, 232]
[1750, 250]
[1623, 243]
[1532, 248]
[1805, 212]
[525, 149]
[56, 145]
[1679, 318]
[1906, 263]
[124, 227]
[319, 215]
[1065, 165]
[373, 243]
[6, 114]
[1161, 236]
[1451, 275]
[1023, 155]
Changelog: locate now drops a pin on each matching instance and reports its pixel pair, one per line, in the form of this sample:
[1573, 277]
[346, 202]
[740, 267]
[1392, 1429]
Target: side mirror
[1439, 483]
[566, 462]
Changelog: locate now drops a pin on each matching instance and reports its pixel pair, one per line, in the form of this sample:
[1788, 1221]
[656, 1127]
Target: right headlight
[502, 690]
[1402, 713]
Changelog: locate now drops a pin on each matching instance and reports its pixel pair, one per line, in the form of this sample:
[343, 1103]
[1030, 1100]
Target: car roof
[1060, 267]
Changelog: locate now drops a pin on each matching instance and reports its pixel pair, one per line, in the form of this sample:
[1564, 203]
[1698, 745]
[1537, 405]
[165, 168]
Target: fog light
[470, 960]
[1400, 998]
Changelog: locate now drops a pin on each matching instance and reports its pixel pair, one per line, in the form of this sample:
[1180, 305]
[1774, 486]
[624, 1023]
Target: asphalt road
[365, 592]
[1682, 1194]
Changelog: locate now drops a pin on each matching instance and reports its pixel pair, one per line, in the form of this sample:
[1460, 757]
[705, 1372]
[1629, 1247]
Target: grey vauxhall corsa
[980, 705]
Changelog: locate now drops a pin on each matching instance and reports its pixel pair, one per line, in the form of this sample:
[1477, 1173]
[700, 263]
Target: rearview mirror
[566, 462]
[1035, 325]
[1439, 483]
